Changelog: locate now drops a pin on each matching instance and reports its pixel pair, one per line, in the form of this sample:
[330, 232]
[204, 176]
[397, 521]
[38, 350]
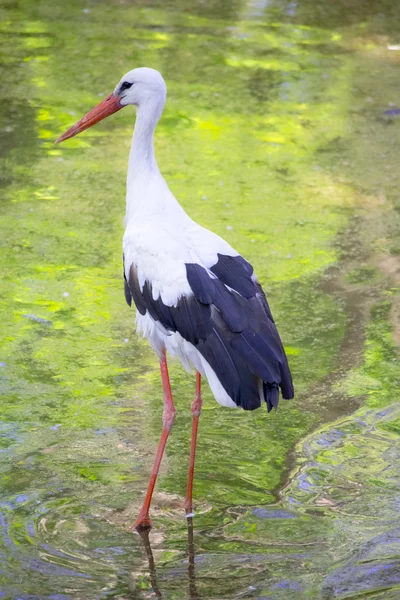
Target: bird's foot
[189, 509]
[143, 523]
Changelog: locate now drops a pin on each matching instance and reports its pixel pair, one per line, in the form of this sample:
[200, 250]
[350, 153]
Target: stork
[196, 297]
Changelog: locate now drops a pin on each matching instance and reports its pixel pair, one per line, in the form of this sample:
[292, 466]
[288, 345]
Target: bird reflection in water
[192, 589]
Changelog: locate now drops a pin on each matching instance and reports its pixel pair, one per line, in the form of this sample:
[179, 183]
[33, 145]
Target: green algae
[261, 142]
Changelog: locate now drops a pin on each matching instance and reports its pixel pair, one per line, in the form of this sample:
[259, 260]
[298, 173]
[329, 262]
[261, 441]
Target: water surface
[281, 134]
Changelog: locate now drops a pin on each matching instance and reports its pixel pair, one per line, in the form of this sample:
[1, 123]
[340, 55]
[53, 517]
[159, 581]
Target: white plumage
[160, 238]
[196, 297]
[159, 246]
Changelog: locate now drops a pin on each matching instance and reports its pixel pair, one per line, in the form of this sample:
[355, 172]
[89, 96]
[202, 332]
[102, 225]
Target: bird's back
[200, 299]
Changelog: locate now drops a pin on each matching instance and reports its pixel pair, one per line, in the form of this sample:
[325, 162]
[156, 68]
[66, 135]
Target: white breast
[160, 239]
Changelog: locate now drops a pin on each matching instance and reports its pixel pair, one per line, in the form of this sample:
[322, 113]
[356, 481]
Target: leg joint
[168, 417]
[196, 406]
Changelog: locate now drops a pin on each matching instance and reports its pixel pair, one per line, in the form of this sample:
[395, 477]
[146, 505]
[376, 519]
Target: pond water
[281, 133]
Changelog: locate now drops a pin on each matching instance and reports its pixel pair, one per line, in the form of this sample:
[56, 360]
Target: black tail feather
[271, 395]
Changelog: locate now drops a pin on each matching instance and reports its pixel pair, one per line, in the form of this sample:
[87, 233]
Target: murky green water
[281, 134]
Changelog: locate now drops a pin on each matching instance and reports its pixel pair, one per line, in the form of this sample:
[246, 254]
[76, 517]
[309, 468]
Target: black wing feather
[233, 329]
[201, 283]
[127, 291]
[235, 272]
[228, 305]
[258, 354]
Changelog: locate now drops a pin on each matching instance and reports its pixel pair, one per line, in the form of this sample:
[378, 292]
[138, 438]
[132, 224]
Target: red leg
[143, 521]
[196, 410]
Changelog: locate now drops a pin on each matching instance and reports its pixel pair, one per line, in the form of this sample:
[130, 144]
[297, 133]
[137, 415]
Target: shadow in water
[191, 573]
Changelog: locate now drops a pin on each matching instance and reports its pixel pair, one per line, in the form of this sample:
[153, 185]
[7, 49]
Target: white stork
[195, 296]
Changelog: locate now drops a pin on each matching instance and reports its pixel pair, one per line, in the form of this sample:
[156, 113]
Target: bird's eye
[125, 86]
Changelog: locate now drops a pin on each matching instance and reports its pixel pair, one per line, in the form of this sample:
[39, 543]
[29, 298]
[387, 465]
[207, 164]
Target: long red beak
[107, 107]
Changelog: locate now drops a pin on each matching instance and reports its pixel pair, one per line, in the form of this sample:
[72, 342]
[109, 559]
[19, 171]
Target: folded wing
[226, 317]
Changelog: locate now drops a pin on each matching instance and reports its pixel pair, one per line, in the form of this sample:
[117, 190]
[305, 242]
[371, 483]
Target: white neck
[142, 161]
[147, 192]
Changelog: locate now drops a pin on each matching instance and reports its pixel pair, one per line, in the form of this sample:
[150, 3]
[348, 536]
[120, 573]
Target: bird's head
[140, 87]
